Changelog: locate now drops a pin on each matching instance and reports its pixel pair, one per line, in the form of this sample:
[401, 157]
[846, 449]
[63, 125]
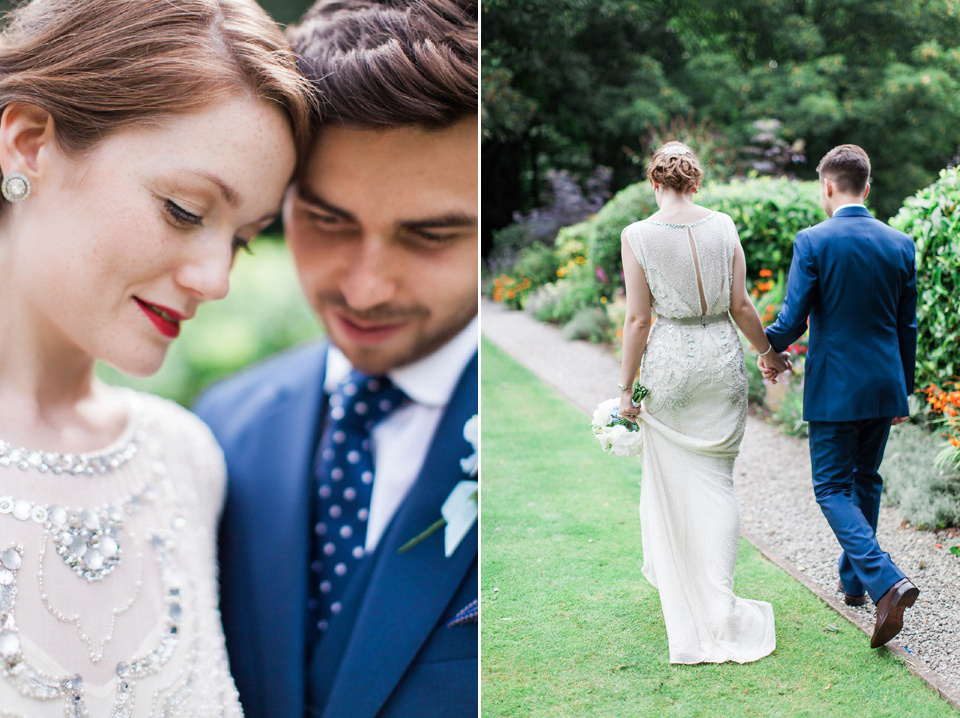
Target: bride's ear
[26, 138]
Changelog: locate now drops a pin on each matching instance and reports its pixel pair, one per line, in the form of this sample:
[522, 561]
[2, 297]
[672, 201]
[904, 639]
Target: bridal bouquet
[617, 435]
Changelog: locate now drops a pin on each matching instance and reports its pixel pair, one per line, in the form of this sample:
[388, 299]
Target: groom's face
[383, 229]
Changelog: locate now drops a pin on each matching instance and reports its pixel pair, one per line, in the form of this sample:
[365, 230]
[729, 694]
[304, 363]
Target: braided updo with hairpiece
[674, 165]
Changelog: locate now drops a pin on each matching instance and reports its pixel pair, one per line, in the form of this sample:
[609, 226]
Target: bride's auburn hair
[670, 168]
[98, 66]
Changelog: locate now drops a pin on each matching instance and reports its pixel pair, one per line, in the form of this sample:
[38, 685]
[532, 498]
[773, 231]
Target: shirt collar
[430, 380]
[851, 204]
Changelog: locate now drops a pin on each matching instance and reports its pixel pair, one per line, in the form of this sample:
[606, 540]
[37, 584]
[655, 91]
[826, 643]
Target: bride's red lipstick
[168, 325]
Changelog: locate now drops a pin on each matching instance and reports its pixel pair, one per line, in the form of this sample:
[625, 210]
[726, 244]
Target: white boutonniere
[459, 512]
[471, 432]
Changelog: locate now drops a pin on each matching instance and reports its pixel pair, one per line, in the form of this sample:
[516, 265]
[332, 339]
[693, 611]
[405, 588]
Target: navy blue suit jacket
[854, 277]
[391, 651]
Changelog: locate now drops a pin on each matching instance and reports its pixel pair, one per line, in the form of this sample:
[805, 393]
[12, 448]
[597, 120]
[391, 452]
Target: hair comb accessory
[675, 150]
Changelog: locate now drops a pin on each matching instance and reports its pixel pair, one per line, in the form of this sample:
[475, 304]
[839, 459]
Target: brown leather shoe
[901, 595]
[851, 599]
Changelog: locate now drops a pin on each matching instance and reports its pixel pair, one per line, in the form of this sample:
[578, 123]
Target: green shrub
[925, 494]
[507, 245]
[264, 313]
[538, 263]
[550, 303]
[600, 234]
[768, 213]
[789, 415]
[932, 219]
[590, 324]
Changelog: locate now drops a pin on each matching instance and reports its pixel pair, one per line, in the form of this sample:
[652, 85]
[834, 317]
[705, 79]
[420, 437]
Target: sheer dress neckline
[112, 456]
[682, 224]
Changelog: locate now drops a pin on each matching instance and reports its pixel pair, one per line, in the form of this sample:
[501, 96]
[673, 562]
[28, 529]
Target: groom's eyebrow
[449, 219]
[306, 195]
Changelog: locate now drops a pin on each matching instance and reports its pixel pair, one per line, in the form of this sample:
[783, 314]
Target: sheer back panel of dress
[686, 264]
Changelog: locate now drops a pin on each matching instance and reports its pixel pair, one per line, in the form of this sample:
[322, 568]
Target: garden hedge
[932, 218]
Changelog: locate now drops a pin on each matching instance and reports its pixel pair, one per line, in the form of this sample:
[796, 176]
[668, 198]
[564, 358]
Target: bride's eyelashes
[186, 218]
[181, 215]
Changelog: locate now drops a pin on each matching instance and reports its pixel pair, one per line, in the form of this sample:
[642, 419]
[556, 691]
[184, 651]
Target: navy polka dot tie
[344, 469]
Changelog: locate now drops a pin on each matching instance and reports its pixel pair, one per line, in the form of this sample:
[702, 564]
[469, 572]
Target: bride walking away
[685, 263]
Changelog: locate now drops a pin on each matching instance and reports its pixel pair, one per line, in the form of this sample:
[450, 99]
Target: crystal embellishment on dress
[27, 680]
[97, 462]
[34, 684]
[87, 540]
[95, 654]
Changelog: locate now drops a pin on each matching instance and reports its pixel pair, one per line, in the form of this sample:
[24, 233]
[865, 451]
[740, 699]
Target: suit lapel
[278, 537]
[407, 594]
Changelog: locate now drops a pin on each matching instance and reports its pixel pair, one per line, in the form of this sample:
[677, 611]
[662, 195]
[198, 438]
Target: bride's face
[117, 247]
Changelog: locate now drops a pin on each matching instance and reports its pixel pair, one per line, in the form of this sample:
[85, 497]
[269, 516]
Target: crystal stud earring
[15, 187]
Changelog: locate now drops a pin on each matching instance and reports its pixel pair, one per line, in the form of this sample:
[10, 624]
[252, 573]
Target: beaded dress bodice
[108, 589]
[683, 362]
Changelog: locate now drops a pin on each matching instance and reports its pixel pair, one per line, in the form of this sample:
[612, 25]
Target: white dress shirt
[400, 442]
[849, 204]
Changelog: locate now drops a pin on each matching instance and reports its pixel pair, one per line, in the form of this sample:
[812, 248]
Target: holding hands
[772, 364]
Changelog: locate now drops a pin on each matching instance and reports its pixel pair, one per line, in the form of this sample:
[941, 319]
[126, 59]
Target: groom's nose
[370, 277]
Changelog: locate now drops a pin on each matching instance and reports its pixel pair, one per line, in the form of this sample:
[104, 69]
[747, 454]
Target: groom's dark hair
[848, 167]
[391, 63]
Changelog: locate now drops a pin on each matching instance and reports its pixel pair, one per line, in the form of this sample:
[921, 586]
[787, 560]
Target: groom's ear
[866, 190]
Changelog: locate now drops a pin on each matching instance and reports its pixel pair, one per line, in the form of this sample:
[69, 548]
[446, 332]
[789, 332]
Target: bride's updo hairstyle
[98, 66]
[674, 165]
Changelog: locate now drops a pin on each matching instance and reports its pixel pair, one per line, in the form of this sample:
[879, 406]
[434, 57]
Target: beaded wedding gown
[108, 581]
[692, 423]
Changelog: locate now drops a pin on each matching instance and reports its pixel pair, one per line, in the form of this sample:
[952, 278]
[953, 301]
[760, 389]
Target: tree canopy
[572, 84]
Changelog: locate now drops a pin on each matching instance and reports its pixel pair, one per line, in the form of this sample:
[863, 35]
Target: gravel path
[778, 513]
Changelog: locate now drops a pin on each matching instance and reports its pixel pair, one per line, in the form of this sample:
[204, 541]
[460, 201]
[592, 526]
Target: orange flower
[766, 273]
[754, 292]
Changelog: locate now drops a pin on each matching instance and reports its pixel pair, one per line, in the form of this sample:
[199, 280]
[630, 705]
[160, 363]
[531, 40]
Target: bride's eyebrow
[231, 195]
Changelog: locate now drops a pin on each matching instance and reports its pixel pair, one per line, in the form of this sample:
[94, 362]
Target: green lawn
[571, 628]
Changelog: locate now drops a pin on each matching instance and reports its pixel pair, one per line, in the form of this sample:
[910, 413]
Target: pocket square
[466, 615]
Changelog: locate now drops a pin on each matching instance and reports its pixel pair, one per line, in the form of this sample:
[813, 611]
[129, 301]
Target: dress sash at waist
[693, 321]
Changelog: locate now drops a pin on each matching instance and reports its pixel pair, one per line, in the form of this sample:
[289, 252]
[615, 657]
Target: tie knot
[362, 400]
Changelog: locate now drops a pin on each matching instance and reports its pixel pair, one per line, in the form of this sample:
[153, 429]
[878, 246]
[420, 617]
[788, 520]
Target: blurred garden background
[576, 95]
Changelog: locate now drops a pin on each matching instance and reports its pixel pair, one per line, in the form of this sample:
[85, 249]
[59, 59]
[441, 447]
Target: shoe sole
[906, 597]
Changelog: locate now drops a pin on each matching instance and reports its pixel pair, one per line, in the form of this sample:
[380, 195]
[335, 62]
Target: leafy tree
[587, 82]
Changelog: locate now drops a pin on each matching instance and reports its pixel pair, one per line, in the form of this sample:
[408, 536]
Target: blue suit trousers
[845, 458]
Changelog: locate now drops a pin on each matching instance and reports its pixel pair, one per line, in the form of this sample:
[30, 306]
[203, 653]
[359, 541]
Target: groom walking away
[854, 277]
[341, 452]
